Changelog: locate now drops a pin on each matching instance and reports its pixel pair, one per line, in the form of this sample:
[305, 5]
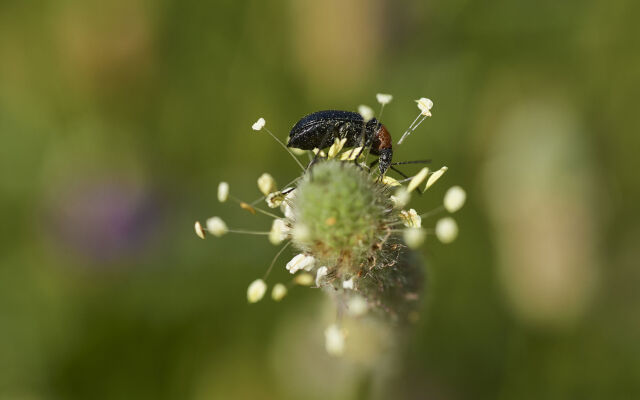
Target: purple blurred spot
[106, 220]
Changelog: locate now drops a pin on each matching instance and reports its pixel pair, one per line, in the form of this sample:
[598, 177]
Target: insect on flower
[321, 128]
[352, 230]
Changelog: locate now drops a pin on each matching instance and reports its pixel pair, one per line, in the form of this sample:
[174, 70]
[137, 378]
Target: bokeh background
[119, 118]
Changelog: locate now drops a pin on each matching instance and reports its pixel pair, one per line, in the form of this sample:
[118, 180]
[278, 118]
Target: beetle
[321, 128]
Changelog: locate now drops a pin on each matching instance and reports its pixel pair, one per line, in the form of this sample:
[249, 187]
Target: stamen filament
[247, 232]
[413, 127]
[266, 274]
[285, 147]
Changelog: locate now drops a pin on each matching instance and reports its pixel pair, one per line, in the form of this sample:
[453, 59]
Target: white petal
[259, 124]
[216, 226]
[334, 340]
[299, 262]
[223, 192]
[417, 179]
[348, 284]
[278, 292]
[434, 177]
[286, 205]
[414, 237]
[320, 274]
[256, 291]
[384, 98]
[366, 112]
[454, 199]
[447, 230]
[266, 184]
[279, 231]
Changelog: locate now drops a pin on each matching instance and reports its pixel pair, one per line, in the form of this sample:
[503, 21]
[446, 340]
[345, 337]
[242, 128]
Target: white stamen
[434, 177]
[334, 340]
[425, 105]
[366, 112]
[199, 230]
[299, 262]
[411, 219]
[454, 199]
[357, 306]
[259, 124]
[304, 279]
[401, 197]
[256, 291]
[348, 284]
[278, 292]
[223, 192]
[320, 274]
[286, 205]
[267, 184]
[279, 231]
[414, 237]
[274, 199]
[411, 128]
[447, 230]
[417, 179]
[216, 226]
[384, 98]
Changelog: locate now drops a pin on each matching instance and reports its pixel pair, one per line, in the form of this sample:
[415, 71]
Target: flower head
[350, 228]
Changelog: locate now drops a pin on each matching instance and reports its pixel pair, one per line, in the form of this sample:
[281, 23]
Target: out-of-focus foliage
[119, 118]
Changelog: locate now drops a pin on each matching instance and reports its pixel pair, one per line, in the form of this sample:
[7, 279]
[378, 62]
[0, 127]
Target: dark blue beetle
[320, 129]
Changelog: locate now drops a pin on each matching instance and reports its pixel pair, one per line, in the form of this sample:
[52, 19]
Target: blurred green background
[119, 118]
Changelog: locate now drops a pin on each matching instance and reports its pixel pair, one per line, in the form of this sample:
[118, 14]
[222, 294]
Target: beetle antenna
[412, 162]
